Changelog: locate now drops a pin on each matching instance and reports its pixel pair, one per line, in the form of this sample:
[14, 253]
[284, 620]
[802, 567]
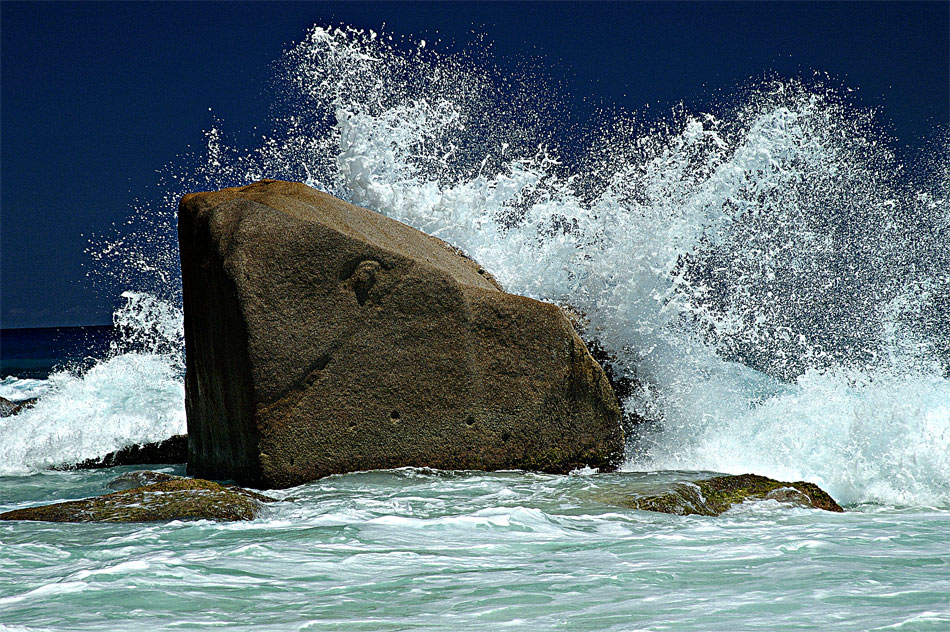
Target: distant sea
[37, 351]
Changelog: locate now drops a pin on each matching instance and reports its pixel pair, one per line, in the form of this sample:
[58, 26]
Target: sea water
[429, 550]
[773, 278]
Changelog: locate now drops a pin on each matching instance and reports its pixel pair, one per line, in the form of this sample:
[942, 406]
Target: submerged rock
[171, 450]
[178, 499]
[712, 496]
[324, 338]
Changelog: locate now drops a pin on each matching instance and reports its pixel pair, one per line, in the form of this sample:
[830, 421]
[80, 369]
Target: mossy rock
[177, 499]
[711, 497]
[141, 478]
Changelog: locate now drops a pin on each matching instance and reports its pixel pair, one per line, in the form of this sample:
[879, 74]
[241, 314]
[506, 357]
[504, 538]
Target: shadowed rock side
[324, 338]
[171, 450]
[713, 496]
[176, 499]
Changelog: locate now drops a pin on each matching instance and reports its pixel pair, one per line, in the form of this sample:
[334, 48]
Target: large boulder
[324, 338]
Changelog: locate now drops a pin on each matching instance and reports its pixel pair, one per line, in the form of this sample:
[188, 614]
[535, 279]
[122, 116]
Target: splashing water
[135, 395]
[770, 275]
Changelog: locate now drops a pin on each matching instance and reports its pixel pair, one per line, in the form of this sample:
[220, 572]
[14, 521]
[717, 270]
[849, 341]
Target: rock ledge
[171, 450]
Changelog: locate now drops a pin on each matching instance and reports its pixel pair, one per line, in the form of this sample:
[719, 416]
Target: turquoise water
[416, 549]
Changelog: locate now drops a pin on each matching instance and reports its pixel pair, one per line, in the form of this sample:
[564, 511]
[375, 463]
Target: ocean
[773, 278]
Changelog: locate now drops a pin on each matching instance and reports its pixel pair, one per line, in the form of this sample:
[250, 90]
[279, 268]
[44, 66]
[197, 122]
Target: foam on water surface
[122, 401]
[460, 551]
[878, 438]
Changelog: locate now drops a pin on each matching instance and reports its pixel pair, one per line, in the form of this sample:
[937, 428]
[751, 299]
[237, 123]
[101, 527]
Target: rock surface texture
[176, 499]
[324, 338]
[712, 496]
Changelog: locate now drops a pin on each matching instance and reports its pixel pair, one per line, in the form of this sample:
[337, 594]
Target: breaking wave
[134, 395]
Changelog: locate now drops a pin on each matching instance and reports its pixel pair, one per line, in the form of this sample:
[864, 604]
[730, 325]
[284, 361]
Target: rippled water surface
[417, 549]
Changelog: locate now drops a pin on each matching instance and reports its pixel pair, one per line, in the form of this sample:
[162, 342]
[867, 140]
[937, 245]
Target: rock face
[623, 385]
[171, 450]
[711, 497]
[324, 338]
[176, 499]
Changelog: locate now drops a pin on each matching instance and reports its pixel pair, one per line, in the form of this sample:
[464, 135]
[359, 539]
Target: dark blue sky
[97, 97]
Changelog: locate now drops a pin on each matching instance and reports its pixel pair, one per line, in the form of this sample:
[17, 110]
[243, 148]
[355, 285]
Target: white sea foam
[861, 437]
[770, 274]
[125, 400]
[18, 389]
[136, 395]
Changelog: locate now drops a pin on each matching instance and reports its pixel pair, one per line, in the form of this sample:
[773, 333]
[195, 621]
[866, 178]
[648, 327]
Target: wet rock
[141, 479]
[711, 497]
[178, 499]
[324, 338]
[790, 496]
[623, 384]
[171, 451]
[9, 408]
